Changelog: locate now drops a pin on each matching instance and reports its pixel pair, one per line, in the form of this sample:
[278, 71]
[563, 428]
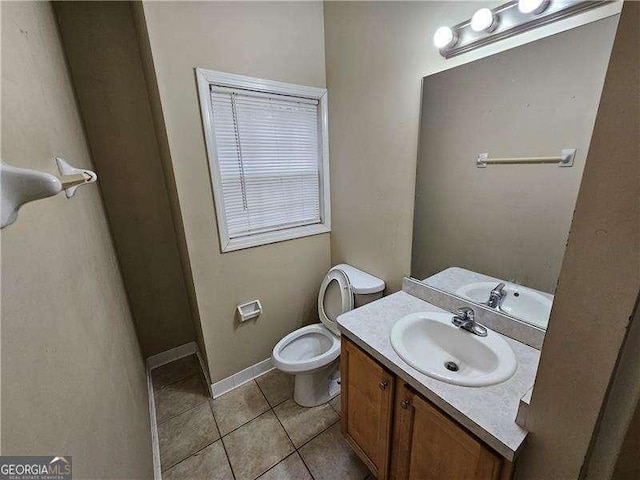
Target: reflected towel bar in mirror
[564, 160]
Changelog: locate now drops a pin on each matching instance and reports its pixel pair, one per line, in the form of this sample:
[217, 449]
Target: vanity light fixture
[533, 6]
[512, 18]
[444, 38]
[484, 20]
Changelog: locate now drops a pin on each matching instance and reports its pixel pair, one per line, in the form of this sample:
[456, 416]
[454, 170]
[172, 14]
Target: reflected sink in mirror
[431, 344]
[519, 302]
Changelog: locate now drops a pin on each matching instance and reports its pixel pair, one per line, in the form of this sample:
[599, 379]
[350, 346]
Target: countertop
[488, 412]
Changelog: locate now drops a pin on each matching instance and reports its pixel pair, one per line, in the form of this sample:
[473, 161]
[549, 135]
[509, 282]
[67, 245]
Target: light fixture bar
[511, 21]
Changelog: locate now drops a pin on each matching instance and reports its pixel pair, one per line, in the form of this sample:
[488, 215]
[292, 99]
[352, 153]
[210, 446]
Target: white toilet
[311, 353]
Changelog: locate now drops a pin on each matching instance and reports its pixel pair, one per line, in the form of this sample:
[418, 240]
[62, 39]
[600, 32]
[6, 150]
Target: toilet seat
[306, 349]
[346, 293]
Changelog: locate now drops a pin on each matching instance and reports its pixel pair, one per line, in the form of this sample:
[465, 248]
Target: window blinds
[268, 154]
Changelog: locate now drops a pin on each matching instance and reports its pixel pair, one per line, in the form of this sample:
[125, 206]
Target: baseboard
[156, 361]
[233, 381]
[169, 356]
[155, 445]
[205, 372]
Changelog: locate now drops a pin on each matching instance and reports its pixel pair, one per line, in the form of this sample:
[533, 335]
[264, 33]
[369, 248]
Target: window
[268, 157]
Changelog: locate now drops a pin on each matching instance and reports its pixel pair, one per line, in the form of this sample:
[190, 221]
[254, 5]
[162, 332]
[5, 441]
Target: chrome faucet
[465, 319]
[496, 296]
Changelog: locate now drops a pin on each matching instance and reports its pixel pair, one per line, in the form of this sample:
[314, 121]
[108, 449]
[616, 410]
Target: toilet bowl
[312, 353]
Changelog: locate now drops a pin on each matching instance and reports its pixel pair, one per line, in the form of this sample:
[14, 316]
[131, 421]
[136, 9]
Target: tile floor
[254, 431]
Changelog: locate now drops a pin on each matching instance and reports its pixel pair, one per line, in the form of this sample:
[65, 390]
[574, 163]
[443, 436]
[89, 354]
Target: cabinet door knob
[404, 404]
[383, 385]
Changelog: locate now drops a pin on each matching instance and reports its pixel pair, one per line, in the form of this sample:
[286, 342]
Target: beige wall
[627, 465]
[599, 280]
[167, 167]
[616, 447]
[73, 379]
[377, 53]
[507, 221]
[276, 41]
[100, 43]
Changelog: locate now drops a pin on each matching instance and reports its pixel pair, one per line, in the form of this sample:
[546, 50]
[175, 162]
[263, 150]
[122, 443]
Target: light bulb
[444, 37]
[482, 20]
[533, 6]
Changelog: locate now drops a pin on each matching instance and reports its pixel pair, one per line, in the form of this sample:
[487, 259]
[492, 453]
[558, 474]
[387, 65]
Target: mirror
[497, 235]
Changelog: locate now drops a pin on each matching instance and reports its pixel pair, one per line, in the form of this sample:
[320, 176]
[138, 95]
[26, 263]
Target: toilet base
[317, 387]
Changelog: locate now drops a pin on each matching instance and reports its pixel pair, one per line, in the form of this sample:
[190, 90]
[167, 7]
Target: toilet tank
[366, 287]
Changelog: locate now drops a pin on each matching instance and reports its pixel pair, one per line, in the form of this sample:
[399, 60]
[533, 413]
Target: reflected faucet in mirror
[496, 296]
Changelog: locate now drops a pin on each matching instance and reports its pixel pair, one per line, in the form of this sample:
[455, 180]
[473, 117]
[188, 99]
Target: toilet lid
[335, 298]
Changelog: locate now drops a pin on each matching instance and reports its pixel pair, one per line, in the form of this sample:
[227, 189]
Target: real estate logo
[35, 468]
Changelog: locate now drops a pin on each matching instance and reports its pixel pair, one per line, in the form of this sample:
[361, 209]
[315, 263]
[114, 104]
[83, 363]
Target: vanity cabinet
[429, 445]
[367, 407]
[401, 435]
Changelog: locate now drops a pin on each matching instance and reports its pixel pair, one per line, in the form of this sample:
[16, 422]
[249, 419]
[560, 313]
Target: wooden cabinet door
[367, 401]
[428, 445]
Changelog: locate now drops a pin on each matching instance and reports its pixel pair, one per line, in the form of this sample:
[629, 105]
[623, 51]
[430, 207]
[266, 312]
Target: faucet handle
[466, 312]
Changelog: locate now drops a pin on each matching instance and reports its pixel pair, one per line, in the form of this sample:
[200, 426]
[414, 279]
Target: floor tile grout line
[215, 420]
[295, 449]
[265, 395]
[334, 409]
[263, 413]
[271, 468]
[309, 440]
[190, 455]
[285, 431]
[304, 462]
[276, 464]
[318, 434]
[271, 408]
[276, 415]
[208, 400]
[226, 456]
[305, 465]
[248, 421]
[245, 423]
[274, 412]
[224, 447]
[178, 414]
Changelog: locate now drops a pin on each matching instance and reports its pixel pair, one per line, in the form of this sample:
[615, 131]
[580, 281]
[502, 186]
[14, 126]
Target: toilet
[311, 353]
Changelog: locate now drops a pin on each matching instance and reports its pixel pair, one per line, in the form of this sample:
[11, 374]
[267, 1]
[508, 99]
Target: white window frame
[207, 78]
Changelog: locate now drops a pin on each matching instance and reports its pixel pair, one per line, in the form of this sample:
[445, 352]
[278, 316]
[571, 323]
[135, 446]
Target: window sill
[274, 237]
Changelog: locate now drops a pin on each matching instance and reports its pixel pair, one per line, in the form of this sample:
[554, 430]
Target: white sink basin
[428, 341]
[520, 302]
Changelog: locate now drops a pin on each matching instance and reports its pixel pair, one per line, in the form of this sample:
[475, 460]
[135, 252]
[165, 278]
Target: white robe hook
[23, 185]
[74, 177]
